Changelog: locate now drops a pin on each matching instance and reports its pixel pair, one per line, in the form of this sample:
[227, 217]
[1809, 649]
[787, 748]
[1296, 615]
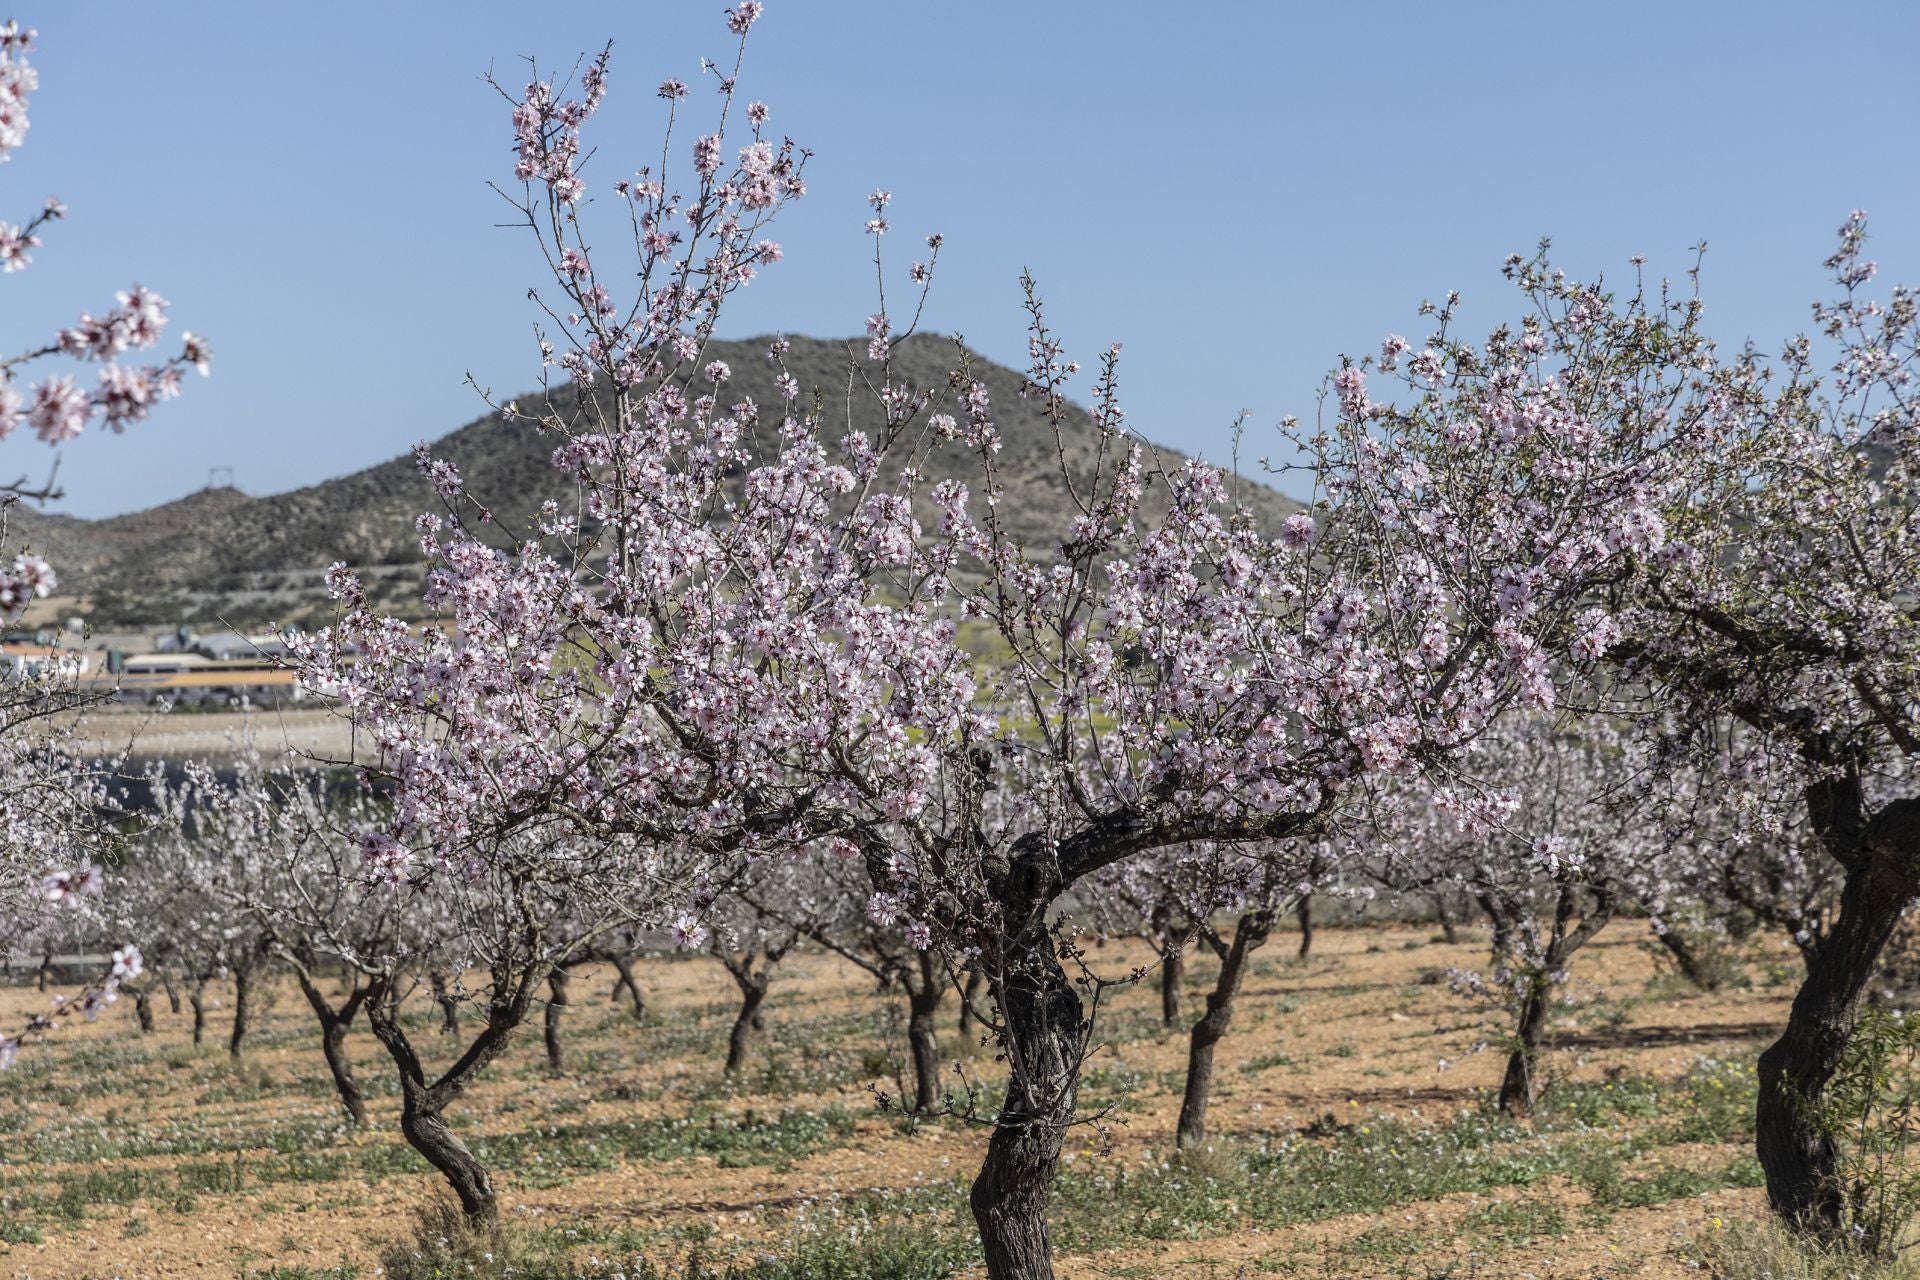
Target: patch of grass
[844, 1244]
[1766, 1250]
[1510, 1222]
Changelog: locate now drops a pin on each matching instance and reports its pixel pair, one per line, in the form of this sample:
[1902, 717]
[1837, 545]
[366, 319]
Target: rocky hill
[220, 554]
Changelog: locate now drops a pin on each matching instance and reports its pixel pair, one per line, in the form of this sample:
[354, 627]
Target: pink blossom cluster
[57, 407]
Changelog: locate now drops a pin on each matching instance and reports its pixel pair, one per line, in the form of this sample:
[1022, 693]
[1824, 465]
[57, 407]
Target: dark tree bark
[426, 1131]
[198, 998]
[926, 987]
[46, 970]
[1502, 923]
[752, 992]
[1303, 912]
[752, 972]
[1881, 856]
[1173, 968]
[243, 999]
[142, 1007]
[1045, 1042]
[423, 1102]
[556, 1001]
[333, 1038]
[1443, 912]
[1520, 1087]
[1249, 935]
[173, 992]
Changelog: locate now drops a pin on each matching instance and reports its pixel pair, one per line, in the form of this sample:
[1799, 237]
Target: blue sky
[1238, 192]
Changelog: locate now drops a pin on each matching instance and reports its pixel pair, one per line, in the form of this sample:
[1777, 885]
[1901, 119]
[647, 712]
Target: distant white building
[24, 661]
[240, 685]
[227, 646]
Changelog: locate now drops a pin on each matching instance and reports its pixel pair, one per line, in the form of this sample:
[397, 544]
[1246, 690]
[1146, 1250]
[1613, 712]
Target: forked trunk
[1520, 1087]
[556, 1001]
[1796, 1153]
[423, 1104]
[426, 1132]
[1248, 936]
[623, 965]
[333, 1040]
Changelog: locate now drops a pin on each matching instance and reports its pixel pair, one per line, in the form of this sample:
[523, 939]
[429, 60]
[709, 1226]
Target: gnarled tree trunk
[1882, 861]
[425, 1129]
[1248, 936]
[1303, 912]
[423, 1103]
[1686, 959]
[1045, 1043]
[1520, 1087]
[333, 1040]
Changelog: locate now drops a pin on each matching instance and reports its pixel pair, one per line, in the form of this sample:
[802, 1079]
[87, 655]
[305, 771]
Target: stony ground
[1353, 1135]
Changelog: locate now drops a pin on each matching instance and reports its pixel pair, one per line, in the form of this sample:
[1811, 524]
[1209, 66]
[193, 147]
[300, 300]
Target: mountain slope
[221, 554]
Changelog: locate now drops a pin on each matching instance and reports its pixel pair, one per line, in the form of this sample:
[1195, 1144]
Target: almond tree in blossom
[731, 636]
[50, 836]
[1781, 619]
[1579, 848]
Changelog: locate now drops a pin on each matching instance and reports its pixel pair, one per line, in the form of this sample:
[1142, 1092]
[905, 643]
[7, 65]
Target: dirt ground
[124, 1155]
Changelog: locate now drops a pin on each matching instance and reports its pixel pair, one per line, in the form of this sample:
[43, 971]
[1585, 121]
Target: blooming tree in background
[1758, 619]
[1784, 617]
[1580, 846]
